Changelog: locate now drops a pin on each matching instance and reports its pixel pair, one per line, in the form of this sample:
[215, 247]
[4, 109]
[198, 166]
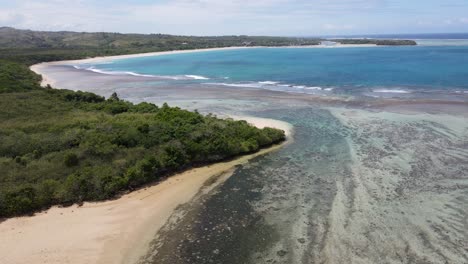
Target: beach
[115, 231]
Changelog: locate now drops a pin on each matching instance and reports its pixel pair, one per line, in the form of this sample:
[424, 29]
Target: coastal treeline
[59, 147]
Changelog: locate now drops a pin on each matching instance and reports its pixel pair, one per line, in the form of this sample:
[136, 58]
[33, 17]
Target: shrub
[78, 187]
[71, 159]
[20, 201]
[48, 192]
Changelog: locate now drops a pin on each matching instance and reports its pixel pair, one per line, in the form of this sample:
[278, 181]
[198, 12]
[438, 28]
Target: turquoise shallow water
[324, 70]
[376, 188]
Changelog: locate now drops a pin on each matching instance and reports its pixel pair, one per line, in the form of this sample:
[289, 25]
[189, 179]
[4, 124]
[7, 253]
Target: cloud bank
[221, 17]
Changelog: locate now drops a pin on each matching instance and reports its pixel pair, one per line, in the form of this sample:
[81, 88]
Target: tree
[71, 159]
[114, 97]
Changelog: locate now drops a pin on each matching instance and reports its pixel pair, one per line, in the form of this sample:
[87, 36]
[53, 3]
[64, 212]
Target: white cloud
[9, 17]
[56, 15]
[183, 16]
[463, 20]
[456, 21]
[329, 26]
[214, 17]
[424, 23]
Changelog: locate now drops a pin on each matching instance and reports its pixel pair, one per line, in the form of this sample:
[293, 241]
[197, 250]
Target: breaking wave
[130, 73]
[276, 86]
[390, 91]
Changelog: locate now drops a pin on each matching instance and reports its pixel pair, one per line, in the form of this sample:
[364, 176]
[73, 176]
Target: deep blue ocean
[398, 70]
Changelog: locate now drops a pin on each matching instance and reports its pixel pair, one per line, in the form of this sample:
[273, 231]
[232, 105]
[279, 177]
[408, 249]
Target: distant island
[32, 47]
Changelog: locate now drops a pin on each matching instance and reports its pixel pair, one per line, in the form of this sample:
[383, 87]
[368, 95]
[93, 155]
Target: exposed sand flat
[266, 122]
[116, 231]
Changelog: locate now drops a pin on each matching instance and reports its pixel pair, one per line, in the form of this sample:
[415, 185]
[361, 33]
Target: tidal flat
[354, 187]
[364, 180]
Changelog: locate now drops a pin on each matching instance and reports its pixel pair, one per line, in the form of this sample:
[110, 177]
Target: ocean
[358, 71]
[375, 172]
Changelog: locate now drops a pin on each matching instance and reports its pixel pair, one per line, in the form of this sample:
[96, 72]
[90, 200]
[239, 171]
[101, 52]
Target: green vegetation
[64, 147]
[17, 77]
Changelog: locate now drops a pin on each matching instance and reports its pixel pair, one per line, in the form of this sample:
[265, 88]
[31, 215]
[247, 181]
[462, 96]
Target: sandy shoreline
[115, 231]
[39, 68]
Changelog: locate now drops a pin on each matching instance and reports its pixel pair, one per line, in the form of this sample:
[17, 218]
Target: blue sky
[234, 17]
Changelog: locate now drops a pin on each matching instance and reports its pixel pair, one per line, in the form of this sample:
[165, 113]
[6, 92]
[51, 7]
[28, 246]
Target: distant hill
[15, 38]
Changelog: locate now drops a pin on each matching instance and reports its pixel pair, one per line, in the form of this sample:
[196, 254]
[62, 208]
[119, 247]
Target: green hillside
[14, 38]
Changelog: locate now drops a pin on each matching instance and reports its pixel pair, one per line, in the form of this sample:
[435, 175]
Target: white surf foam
[314, 88]
[197, 77]
[175, 77]
[390, 91]
[92, 69]
[268, 82]
[276, 86]
[245, 85]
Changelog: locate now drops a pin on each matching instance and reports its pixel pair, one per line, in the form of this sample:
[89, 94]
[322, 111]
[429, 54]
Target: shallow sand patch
[267, 122]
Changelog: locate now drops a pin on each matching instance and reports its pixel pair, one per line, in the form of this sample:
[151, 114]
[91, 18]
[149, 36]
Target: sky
[239, 17]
